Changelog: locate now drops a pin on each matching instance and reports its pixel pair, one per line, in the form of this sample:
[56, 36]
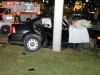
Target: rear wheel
[5, 29]
[32, 44]
[28, 19]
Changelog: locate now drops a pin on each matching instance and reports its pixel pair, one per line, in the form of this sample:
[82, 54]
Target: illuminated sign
[78, 5]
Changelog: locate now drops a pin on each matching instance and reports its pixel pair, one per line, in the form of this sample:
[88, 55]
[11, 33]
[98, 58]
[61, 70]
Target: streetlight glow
[84, 4]
[87, 0]
[46, 1]
[43, 1]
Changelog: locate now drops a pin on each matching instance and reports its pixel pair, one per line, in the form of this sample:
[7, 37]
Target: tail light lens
[13, 29]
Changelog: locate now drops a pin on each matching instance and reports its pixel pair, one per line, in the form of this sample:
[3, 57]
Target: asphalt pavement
[3, 38]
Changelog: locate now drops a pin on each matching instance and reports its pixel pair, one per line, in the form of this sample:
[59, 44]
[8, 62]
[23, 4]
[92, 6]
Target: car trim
[15, 42]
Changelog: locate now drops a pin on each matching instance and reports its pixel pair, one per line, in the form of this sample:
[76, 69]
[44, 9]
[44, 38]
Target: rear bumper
[15, 39]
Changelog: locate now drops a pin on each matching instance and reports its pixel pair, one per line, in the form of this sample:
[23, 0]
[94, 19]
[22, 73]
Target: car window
[2, 9]
[45, 22]
[38, 22]
[8, 11]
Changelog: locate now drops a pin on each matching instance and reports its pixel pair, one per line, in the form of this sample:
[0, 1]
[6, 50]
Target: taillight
[13, 29]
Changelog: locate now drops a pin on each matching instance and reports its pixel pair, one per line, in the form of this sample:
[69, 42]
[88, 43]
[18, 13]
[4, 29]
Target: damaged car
[38, 32]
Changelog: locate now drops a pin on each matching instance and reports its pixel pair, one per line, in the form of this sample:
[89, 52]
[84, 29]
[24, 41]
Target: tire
[87, 46]
[28, 19]
[5, 29]
[32, 44]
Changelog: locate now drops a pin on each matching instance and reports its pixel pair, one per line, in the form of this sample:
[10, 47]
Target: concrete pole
[58, 14]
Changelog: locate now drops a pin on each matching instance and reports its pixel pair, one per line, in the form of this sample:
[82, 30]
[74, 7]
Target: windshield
[2, 9]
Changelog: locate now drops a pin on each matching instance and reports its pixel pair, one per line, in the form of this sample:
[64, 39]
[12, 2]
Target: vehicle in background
[8, 10]
[78, 16]
[38, 33]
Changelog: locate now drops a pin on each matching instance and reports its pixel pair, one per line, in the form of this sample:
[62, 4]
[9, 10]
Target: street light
[70, 2]
[87, 0]
[43, 1]
[86, 3]
[47, 1]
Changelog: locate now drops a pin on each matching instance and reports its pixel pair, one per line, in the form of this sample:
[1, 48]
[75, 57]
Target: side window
[47, 22]
[8, 11]
[38, 22]
[44, 22]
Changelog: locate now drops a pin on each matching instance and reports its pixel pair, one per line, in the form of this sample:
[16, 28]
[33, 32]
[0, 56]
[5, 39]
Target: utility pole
[57, 33]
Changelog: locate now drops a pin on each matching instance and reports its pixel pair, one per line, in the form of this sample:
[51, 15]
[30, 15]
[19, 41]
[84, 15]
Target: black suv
[35, 34]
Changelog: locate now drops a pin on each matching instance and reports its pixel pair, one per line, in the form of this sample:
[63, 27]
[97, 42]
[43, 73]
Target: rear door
[46, 27]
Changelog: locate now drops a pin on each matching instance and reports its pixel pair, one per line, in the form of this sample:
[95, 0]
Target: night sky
[67, 1]
[52, 1]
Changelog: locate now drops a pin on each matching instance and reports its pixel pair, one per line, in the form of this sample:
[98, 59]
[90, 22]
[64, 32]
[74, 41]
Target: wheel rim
[32, 44]
[86, 45]
[5, 31]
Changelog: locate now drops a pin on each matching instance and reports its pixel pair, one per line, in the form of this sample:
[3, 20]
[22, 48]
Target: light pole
[86, 3]
[57, 33]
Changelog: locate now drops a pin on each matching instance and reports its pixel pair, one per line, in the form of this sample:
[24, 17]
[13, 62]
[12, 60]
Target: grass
[47, 62]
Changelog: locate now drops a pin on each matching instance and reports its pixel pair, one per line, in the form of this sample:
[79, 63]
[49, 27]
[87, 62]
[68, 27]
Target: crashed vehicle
[35, 34]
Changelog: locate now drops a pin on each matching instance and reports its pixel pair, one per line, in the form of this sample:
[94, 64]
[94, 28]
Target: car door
[48, 28]
[65, 31]
[45, 24]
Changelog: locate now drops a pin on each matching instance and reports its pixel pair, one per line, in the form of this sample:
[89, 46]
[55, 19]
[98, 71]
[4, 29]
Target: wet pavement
[3, 38]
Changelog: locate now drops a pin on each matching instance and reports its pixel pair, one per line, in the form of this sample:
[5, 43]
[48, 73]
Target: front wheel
[86, 46]
[32, 44]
